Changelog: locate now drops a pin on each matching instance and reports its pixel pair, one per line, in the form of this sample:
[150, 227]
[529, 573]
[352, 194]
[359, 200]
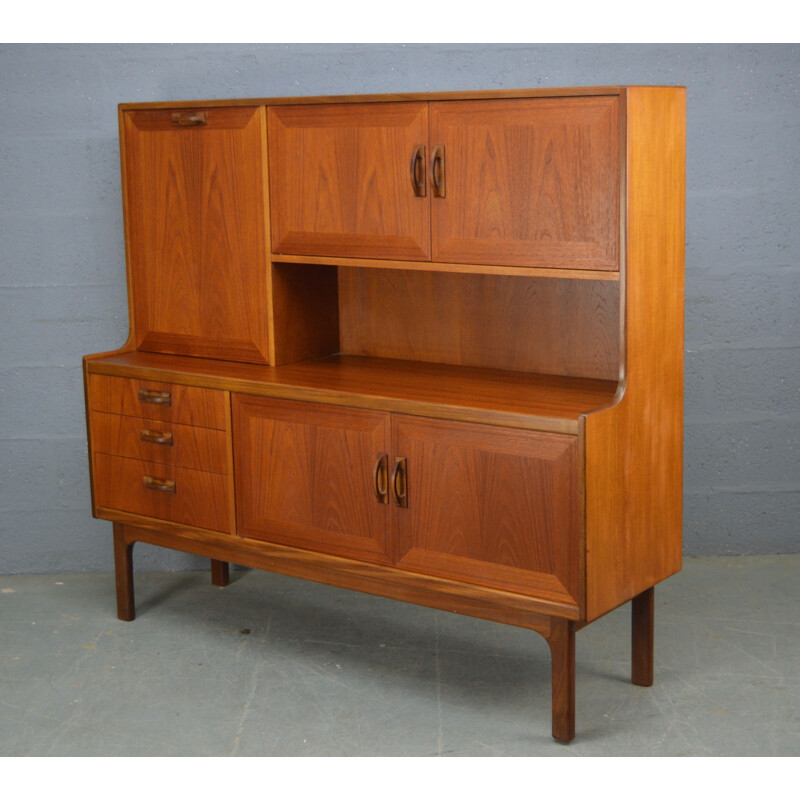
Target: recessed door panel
[530, 183]
[488, 505]
[345, 180]
[306, 476]
[197, 245]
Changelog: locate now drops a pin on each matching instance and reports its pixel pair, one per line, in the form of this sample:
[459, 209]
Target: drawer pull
[400, 482]
[158, 484]
[156, 437]
[380, 478]
[187, 120]
[157, 398]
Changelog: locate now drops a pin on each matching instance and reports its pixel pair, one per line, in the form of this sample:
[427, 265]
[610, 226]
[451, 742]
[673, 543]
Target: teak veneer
[424, 346]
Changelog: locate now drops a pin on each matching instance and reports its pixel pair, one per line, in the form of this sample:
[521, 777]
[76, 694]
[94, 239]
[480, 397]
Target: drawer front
[134, 397]
[160, 442]
[162, 491]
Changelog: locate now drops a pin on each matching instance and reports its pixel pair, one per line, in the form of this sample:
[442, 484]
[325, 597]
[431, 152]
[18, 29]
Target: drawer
[159, 441]
[134, 397]
[162, 491]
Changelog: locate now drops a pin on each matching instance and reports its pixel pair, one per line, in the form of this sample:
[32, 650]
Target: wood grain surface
[305, 307]
[550, 326]
[529, 182]
[304, 476]
[135, 437]
[377, 579]
[199, 499]
[394, 97]
[197, 249]
[189, 405]
[341, 180]
[499, 397]
[634, 486]
[495, 507]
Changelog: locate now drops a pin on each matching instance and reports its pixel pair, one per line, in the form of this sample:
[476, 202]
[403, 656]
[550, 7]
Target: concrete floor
[273, 666]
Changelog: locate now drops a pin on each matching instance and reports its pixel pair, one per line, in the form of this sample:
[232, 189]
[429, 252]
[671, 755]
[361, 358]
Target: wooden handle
[400, 482]
[189, 119]
[418, 171]
[380, 478]
[156, 437]
[157, 398]
[159, 484]
[437, 171]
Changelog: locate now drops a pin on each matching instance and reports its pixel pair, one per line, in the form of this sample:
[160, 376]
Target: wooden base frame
[558, 632]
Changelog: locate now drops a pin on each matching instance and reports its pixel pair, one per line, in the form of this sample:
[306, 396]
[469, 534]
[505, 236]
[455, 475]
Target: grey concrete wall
[62, 274]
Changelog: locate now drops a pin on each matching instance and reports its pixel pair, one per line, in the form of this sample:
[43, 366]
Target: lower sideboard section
[491, 506]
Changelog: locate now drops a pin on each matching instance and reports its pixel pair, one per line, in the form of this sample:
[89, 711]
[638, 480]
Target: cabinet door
[493, 506]
[306, 476]
[196, 231]
[342, 180]
[528, 182]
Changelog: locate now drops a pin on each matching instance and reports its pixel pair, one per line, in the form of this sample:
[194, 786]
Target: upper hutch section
[527, 183]
[485, 231]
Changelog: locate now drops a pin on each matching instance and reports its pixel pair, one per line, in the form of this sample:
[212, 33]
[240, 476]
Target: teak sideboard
[424, 346]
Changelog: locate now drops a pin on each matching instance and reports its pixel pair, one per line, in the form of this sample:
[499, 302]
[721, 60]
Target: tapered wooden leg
[562, 654]
[220, 573]
[642, 638]
[123, 567]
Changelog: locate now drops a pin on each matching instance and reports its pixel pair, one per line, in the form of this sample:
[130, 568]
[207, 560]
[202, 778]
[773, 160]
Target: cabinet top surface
[499, 397]
[494, 94]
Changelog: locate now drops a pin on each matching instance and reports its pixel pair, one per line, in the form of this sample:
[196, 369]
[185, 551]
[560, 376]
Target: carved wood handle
[400, 482]
[157, 398]
[189, 119]
[437, 171]
[380, 478]
[156, 437]
[159, 484]
[418, 171]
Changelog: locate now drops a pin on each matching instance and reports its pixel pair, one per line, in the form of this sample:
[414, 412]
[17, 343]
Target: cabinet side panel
[305, 310]
[634, 450]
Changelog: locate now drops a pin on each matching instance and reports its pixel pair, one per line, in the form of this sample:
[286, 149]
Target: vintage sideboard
[425, 346]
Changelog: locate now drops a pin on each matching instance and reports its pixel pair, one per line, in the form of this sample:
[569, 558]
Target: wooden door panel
[528, 182]
[196, 230]
[304, 476]
[493, 506]
[340, 180]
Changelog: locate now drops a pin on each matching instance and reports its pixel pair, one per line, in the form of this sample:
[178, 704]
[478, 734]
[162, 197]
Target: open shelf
[466, 269]
[471, 394]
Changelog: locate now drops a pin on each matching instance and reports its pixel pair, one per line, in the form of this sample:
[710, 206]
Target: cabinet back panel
[553, 326]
